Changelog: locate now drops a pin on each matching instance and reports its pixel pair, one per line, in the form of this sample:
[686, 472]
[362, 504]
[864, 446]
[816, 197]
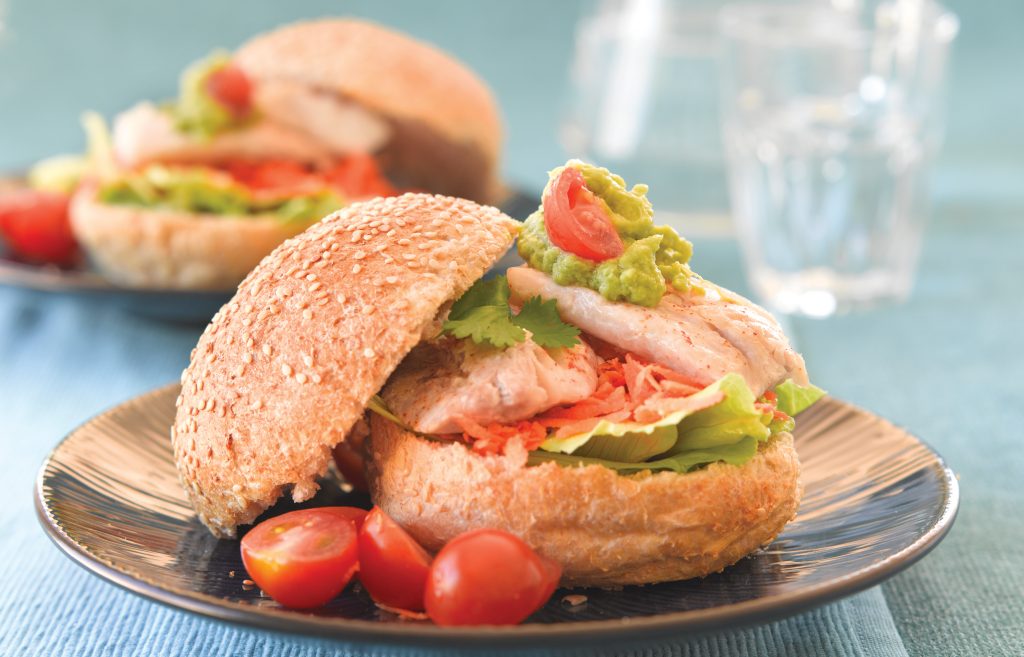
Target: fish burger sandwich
[620, 414]
[262, 142]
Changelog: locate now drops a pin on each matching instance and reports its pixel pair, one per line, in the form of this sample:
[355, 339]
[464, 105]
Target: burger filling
[227, 146]
[606, 350]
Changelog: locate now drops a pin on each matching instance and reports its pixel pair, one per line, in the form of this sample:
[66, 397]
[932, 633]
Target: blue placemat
[946, 365]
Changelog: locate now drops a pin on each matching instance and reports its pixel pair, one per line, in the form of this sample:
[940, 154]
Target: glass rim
[752, 21]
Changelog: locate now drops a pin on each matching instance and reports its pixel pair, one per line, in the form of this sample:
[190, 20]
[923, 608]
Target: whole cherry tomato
[302, 559]
[393, 567]
[488, 577]
[35, 226]
[577, 221]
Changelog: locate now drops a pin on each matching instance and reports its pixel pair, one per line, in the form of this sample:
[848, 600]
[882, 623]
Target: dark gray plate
[188, 306]
[877, 499]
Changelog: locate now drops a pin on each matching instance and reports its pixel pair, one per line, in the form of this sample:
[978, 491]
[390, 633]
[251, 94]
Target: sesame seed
[356, 268]
[342, 298]
[220, 411]
[250, 342]
[423, 246]
[310, 277]
[315, 286]
[286, 369]
[404, 241]
[409, 256]
[266, 349]
[246, 321]
[359, 255]
[391, 279]
[357, 235]
[307, 314]
[366, 238]
[308, 360]
[316, 378]
[247, 358]
[368, 353]
[453, 265]
[300, 377]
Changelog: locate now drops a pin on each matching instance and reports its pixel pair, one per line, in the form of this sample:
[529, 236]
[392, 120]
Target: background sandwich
[261, 143]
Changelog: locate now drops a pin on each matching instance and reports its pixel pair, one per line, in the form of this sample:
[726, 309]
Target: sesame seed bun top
[401, 78]
[288, 365]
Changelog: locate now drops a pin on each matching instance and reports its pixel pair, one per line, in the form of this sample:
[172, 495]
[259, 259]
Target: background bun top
[288, 365]
[429, 95]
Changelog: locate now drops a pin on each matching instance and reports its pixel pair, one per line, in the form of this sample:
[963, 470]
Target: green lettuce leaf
[736, 454]
[631, 447]
[197, 189]
[794, 398]
[725, 423]
[701, 400]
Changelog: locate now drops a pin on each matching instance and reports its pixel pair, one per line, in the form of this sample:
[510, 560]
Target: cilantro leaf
[483, 315]
[486, 324]
[541, 319]
[493, 292]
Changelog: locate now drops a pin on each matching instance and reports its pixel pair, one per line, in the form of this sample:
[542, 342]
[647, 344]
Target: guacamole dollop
[202, 190]
[654, 256]
[195, 111]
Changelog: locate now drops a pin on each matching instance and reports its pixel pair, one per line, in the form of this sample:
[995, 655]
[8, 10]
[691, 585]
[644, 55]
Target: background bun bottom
[137, 247]
[605, 529]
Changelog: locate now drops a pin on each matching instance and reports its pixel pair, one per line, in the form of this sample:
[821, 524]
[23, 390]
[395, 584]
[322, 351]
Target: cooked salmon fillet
[701, 336]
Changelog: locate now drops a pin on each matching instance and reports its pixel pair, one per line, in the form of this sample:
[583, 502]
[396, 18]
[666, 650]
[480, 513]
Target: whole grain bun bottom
[605, 529]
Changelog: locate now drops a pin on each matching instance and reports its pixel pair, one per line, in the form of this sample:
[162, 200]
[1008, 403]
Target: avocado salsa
[654, 256]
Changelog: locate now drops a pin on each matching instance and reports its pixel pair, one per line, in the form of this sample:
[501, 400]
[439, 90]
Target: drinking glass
[643, 101]
[830, 117]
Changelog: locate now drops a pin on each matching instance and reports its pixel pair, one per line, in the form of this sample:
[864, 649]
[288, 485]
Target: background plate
[876, 500]
[191, 306]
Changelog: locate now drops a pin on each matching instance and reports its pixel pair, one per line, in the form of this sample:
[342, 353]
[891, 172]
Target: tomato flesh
[488, 577]
[351, 513]
[230, 87]
[302, 559]
[359, 176]
[393, 567]
[36, 227]
[577, 221]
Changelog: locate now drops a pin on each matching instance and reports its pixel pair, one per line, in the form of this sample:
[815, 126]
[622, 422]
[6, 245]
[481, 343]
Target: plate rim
[646, 628]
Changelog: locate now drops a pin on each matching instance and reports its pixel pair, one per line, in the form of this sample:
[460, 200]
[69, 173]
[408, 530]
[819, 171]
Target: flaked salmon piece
[702, 337]
[145, 134]
[341, 125]
[443, 381]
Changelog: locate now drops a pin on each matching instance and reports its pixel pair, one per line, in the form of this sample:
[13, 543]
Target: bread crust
[167, 249]
[287, 367]
[605, 529]
[401, 78]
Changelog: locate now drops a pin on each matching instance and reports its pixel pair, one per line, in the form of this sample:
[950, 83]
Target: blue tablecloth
[946, 365]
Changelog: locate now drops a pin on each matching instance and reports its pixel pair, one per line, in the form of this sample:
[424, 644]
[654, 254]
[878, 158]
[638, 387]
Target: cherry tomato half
[302, 559]
[577, 221]
[230, 87]
[35, 226]
[488, 577]
[352, 513]
[392, 566]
